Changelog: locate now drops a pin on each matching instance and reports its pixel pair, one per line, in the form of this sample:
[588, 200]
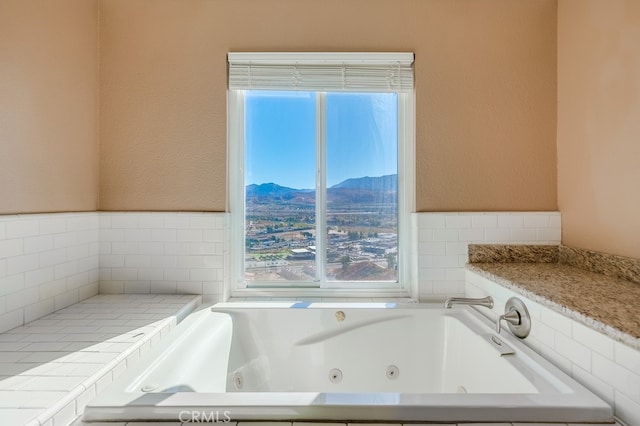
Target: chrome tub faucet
[487, 302]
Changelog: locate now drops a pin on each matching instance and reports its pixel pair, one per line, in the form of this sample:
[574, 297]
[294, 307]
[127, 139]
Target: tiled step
[51, 367]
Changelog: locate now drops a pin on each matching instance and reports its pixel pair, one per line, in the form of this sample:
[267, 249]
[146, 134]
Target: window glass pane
[362, 186]
[280, 164]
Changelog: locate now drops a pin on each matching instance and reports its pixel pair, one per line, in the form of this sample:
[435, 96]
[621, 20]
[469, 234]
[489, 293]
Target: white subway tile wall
[47, 262]
[166, 253]
[443, 240]
[608, 368]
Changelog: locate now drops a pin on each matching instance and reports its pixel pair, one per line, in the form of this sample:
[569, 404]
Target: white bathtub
[367, 362]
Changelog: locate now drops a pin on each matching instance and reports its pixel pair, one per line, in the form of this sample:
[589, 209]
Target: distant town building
[301, 254]
[374, 250]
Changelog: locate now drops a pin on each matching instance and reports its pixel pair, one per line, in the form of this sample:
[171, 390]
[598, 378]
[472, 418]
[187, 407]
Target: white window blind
[353, 72]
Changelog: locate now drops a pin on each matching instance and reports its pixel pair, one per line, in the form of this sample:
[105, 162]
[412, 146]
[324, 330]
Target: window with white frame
[321, 171]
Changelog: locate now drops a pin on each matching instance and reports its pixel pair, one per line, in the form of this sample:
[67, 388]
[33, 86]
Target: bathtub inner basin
[409, 351]
[356, 362]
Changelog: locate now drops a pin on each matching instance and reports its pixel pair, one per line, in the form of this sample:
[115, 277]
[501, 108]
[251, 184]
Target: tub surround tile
[573, 284]
[163, 252]
[81, 254]
[564, 343]
[18, 416]
[584, 322]
[442, 240]
[50, 365]
[47, 262]
[602, 303]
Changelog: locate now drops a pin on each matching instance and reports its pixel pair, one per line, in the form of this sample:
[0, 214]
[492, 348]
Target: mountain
[387, 183]
[364, 190]
[269, 190]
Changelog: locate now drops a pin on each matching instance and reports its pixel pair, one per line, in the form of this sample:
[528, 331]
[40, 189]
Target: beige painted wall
[48, 101]
[599, 124]
[485, 78]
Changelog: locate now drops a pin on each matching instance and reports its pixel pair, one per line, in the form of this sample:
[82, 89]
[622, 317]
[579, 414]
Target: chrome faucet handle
[517, 318]
[511, 317]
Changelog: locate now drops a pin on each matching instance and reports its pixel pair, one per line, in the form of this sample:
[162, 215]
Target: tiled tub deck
[584, 312]
[51, 367]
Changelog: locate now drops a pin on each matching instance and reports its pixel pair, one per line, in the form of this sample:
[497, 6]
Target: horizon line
[313, 189]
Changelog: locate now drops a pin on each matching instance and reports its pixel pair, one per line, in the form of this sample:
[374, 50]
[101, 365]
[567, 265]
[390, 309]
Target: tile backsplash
[48, 261]
[167, 253]
[443, 239]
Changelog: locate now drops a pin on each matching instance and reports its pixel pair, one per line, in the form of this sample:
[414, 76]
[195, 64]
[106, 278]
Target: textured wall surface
[485, 90]
[485, 87]
[599, 125]
[48, 100]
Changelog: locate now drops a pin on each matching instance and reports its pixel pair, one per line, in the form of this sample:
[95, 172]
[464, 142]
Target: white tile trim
[443, 238]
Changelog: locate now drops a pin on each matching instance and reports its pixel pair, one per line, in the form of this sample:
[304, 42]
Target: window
[321, 171]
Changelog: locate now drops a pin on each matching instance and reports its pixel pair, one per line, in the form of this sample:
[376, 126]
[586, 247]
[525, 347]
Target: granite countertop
[606, 303]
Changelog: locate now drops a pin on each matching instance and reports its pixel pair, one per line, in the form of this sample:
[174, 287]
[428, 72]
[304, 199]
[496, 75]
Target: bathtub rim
[111, 405]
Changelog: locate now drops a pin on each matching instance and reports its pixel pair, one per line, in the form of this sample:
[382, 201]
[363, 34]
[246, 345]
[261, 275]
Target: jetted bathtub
[349, 362]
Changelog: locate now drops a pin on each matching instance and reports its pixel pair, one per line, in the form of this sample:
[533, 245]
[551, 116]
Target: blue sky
[280, 132]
